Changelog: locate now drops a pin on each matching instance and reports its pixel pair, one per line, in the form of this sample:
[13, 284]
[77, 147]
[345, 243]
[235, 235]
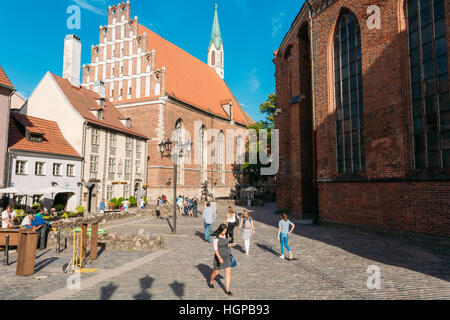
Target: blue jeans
[208, 231]
[284, 238]
[195, 210]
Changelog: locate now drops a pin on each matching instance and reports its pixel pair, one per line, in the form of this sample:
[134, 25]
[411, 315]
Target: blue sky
[251, 29]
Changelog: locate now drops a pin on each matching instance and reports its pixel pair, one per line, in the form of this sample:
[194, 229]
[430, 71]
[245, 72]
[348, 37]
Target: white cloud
[277, 24]
[253, 80]
[86, 5]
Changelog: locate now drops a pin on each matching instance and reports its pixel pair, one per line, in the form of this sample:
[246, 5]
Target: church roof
[192, 81]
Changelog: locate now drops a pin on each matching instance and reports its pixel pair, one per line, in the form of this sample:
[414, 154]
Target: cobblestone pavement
[329, 263]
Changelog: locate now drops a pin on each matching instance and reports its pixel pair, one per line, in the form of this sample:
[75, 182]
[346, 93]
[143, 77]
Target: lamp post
[165, 149]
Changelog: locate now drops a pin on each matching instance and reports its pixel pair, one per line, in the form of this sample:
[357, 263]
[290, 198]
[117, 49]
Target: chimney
[72, 59]
[100, 88]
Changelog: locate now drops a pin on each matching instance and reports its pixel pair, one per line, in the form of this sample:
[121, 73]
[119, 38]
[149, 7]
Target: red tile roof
[4, 81]
[192, 81]
[84, 100]
[53, 141]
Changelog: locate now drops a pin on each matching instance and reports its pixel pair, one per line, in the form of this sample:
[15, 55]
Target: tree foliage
[253, 171]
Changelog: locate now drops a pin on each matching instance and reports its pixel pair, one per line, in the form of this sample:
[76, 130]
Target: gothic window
[213, 58]
[202, 150]
[220, 158]
[429, 83]
[179, 139]
[348, 95]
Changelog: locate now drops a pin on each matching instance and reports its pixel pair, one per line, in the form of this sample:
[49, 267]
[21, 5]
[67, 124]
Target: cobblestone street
[329, 263]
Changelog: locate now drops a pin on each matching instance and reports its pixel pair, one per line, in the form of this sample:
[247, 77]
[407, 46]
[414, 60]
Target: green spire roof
[215, 33]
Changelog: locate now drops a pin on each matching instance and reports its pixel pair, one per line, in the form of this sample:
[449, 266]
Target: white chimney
[72, 59]
[100, 88]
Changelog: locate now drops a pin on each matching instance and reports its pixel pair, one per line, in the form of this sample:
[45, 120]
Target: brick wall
[157, 121]
[406, 199]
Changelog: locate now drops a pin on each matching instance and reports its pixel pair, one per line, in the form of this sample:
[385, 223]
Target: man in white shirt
[209, 216]
[27, 220]
[8, 217]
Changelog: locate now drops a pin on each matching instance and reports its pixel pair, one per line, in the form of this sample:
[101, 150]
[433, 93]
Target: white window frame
[23, 167]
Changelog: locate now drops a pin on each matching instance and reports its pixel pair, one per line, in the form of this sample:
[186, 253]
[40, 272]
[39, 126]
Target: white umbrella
[14, 190]
[54, 190]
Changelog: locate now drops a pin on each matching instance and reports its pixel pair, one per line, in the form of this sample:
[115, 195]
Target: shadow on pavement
[178, 289]
[146, 284]
[239, 248]
[170, 225]
[44, 263]
[206, 271]
[200, 235]
[267, 248]
[423, 258]
[106, 292]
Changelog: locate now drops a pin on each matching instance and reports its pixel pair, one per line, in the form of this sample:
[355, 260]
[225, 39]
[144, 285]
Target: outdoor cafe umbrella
[251, 189]
[55, 190]
[16, 191]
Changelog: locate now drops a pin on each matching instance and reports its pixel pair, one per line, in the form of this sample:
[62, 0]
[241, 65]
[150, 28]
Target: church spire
[215, 49]
[216, 38]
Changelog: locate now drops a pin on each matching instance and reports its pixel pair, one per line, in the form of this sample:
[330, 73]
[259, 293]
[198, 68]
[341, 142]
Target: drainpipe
[315, 189]
[83, 162]
[8, 114]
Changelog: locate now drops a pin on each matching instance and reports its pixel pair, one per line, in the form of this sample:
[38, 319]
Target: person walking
[221, 257]
[209, 216]
[179, 204]
[248, 230]
[195, 206]
[231, 223]
[283, 234]
[102, 206]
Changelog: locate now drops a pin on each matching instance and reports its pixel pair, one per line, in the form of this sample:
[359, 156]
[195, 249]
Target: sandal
[228, 293]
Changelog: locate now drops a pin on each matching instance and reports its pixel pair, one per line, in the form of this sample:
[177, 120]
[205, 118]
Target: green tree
[253, 171]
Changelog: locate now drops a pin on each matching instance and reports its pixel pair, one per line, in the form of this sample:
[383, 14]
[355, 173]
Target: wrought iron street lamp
[165, 148]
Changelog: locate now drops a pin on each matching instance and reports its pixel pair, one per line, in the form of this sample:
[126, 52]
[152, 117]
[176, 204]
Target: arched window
[220, 158]
[348, 95]
[213, 58]
[429, 83]
[178, 140]
[240, 158]
[202, 155]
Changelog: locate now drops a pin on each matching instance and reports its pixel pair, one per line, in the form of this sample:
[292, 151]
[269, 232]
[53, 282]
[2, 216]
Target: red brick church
[163, 90]
[363, 93]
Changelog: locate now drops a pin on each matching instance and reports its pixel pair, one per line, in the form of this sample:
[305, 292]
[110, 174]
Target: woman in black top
[221, 257]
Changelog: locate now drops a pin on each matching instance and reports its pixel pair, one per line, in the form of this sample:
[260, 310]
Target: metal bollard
[58, 241]
[6, 259]
[65, 243]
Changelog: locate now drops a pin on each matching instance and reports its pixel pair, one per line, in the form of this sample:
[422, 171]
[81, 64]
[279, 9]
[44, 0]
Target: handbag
[232, 259]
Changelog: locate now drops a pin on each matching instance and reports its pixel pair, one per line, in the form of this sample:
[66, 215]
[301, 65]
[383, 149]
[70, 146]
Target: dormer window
[35, 137]
[100, 114]
[126, 122]
[101, 102]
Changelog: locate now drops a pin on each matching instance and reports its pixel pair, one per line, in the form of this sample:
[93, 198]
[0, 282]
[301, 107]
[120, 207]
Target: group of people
[162, 199]
[223, 239]
[34, 222]
[187, 205]
[125, 205]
